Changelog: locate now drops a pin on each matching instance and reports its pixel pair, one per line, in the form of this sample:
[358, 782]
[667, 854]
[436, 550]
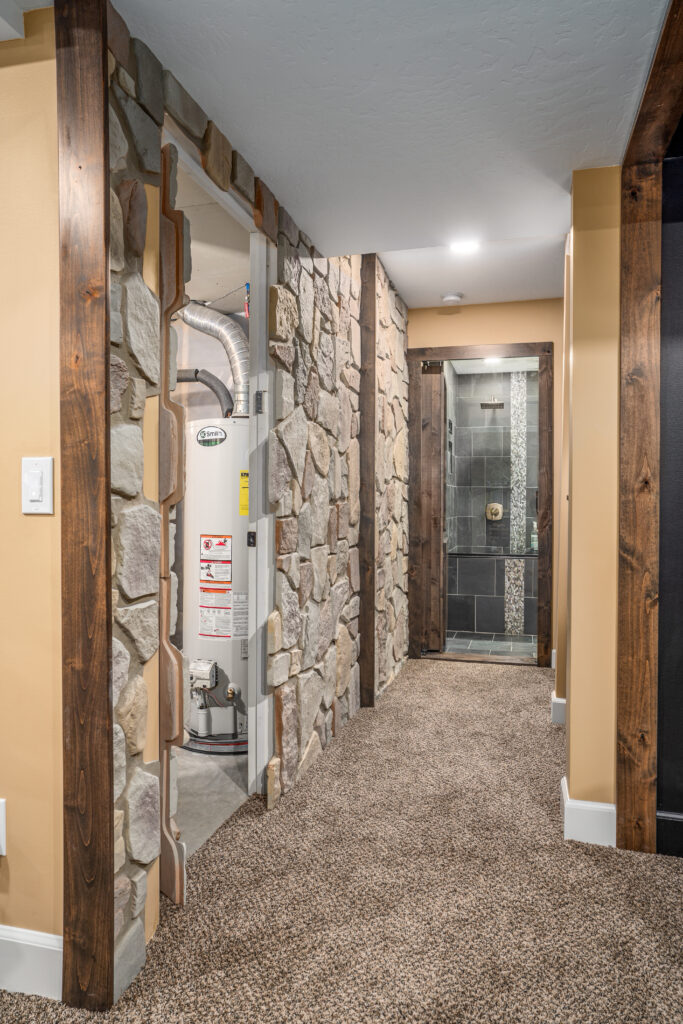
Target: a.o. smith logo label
[210, 436]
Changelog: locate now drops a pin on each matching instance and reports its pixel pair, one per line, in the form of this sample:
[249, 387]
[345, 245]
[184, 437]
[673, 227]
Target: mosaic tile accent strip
[514, 596]
[518, 401]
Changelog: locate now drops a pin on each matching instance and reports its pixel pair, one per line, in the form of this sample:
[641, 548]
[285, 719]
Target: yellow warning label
[244, 493]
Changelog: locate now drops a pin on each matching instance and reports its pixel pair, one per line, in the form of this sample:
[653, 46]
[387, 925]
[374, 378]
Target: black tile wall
[460, 613]
[489, 615]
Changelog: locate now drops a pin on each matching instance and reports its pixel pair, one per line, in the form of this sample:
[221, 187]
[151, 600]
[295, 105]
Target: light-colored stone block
[127, 459]
[142, 828]
[140, 308]
[139, 550]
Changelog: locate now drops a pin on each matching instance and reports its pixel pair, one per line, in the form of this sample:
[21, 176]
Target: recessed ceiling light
[452, 299]
[465, 246]
[492, 359]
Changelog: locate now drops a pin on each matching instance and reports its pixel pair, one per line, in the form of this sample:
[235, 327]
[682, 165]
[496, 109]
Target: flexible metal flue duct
[234, 341]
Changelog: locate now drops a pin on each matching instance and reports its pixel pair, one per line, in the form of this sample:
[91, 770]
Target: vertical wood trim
[171, 491]
[545, 507]
[82, 111]
[416, 609]
[367, 441]
[637, 664]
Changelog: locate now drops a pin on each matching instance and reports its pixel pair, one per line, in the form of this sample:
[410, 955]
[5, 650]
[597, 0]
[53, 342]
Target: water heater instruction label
[215, 611]
[215, 602]
[240, 614]
[216, 547]
[215, 572]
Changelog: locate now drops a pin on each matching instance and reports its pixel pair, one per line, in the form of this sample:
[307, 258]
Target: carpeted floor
[416, 874]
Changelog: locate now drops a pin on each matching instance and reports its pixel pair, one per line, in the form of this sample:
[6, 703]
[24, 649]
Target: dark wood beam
[416, 590]
[660, 113]
[367, 439]
[519, 351]
[82, 109]
[638, 619]
[661, 107]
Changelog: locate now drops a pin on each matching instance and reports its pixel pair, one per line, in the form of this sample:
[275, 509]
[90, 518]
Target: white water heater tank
[215, 571]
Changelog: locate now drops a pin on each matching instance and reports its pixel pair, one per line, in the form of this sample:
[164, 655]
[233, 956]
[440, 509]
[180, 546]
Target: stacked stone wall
[136, 521]
[314, 487]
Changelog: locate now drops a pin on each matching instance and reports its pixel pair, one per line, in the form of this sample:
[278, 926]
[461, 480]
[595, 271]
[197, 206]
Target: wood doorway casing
[660, 112]
[423, 476]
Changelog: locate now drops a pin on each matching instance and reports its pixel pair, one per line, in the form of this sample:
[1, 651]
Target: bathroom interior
[491, 506]
[211, 766]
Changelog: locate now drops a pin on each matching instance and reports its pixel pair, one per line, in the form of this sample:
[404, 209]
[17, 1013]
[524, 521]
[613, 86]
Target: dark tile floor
[490, 643]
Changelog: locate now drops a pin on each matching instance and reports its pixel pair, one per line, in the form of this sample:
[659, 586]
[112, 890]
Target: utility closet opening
[212, 520]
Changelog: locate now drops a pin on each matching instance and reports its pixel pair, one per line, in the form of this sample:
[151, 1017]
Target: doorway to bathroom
[481, 503]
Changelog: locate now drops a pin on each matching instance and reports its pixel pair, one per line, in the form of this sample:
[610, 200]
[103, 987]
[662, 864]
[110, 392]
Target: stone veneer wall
[134, 151]
[391, 479]
[314, 485]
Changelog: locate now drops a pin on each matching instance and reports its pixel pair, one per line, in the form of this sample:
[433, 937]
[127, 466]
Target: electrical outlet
[3, 828]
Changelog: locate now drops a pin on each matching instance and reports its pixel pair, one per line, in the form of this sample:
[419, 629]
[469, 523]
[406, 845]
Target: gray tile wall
[476, 593]
[482, 462]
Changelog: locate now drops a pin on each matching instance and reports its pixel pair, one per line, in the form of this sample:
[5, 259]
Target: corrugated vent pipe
[234, 341]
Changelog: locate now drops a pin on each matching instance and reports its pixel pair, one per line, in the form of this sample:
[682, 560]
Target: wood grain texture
[82, 111]
[479, 351]
[485, 659]
[661, 107]
[637, 664]
[545, 507]
[171, 491]
[367, 440]
[416, 606]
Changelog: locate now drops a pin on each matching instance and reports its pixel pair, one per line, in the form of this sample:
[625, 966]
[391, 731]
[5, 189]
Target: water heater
[215, 574]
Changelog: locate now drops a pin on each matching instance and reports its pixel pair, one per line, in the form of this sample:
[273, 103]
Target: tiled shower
[492, 463]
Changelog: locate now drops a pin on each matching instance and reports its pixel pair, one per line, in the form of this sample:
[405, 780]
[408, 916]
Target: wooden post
[367, 440]
[82, 111]
[660, 112]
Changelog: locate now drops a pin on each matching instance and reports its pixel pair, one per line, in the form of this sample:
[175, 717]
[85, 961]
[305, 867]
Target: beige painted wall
[30, 598]
[501, 323]
[593, 484]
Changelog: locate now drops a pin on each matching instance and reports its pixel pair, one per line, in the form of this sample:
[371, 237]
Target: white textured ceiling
[401, 124]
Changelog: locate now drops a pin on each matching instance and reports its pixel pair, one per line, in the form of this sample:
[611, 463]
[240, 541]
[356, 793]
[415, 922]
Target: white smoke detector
[452, 298]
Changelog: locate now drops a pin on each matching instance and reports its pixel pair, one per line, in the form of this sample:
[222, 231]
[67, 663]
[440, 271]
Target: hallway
[417, 874]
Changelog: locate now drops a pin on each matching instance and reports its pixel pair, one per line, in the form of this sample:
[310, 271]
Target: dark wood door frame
[367, 437]
[82, 114]
[416, 358]
[660, 112]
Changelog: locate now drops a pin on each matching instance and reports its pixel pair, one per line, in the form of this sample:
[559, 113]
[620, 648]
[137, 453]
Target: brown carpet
[416, 874]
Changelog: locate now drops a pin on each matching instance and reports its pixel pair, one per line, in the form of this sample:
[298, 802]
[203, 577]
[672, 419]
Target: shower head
[493, 403]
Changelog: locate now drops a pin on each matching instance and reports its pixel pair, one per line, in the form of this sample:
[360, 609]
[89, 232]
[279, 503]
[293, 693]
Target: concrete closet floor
[416, 874]
[210, 789]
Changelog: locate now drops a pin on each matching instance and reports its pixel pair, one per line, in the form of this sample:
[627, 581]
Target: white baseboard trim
[31, 962]
[588, 821]
[558, 709]
[553, 658]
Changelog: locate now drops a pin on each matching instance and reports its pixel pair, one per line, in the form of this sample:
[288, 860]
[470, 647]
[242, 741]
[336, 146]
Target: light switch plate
[3, 828]
[37, 487]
